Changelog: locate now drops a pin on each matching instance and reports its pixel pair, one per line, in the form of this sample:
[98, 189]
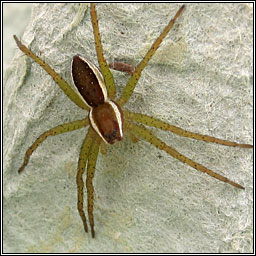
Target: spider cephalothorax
[96, 93]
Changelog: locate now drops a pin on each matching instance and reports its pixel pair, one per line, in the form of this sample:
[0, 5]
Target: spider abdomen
[89, 82]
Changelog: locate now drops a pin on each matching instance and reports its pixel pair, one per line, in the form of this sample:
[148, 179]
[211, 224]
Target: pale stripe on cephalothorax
[95, 126]
[118, 115]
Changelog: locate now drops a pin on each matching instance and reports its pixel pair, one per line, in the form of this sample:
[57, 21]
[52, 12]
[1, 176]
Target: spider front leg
[88, 155]
[90, 174]
[83, 158]
[141, 132]
[68, 127]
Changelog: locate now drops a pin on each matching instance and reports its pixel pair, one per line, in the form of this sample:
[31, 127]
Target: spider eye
[88, 81]
[107, 120]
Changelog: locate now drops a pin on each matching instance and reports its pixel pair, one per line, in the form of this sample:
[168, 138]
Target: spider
[108, 122]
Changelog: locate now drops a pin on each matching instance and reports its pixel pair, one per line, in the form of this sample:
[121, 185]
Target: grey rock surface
[145, 201]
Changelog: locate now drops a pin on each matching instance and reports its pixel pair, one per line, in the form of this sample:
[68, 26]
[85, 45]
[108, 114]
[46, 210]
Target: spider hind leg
[64, 86]
[130, 86]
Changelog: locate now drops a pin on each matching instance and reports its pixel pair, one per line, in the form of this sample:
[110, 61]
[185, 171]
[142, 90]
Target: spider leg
[141, 131]
[56, 77]
[103, 148]
[90, 174]
[83, 158]
[153, 122]
[132, 136]
[130, 86]
[68, 127]
[108, 77]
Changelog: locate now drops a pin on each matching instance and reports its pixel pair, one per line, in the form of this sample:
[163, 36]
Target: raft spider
[96, 93]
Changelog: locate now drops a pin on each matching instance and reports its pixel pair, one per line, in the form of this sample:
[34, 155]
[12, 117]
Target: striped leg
[129, 88]
[83, 158]
[108, 77]
[52, 132]
[64, 86]
[90, 174]
[153, 122]
[141, 131]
